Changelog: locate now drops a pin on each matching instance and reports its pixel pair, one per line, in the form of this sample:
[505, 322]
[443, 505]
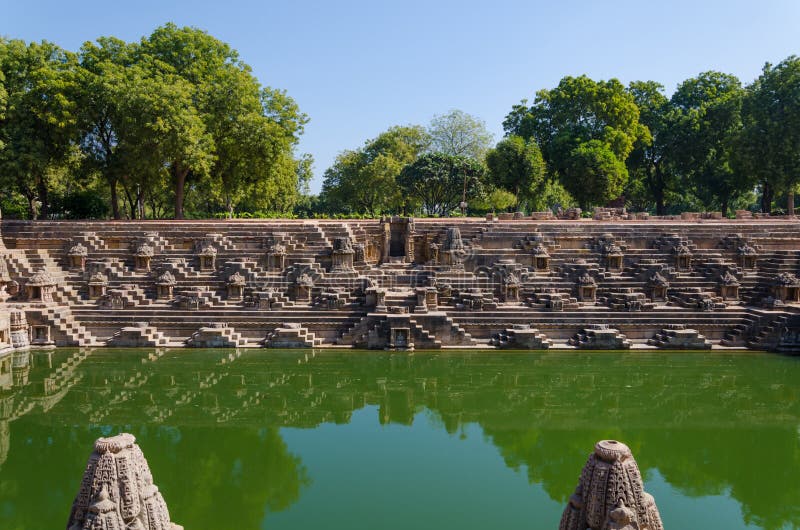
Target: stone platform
[403, 284]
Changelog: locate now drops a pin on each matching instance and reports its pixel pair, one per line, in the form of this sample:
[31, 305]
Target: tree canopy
[176, 113]
[517, 165]
[579, 121]
[770, 146]
[440, 181]
[365, 179]
[175, 124]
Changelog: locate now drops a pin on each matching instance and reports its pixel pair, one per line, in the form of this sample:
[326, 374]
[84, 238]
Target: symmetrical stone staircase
[471, 307]
[600, 337]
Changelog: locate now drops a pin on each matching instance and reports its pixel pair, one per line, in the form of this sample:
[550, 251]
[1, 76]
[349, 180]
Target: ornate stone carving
[236, 285]
[786, 287]
[144, 253]
[302, 288]
[683, 256]
[610, 494]
[19, 329]
[207, 256]
[587, 288]
[165, 284]
[97, 285]
[40, 286]
[453, 252]
[77, 256]
[729, 286]
[342, 255]
[541, 257]
[117, 490]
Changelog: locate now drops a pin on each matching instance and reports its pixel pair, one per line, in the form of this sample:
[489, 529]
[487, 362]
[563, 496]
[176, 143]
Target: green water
[393, 441]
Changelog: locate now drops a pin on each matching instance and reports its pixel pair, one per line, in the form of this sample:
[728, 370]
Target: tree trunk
[32, 210]
[41, 187]
[790, 202]
[114, 199]
[659, 195]
[179, 173]
[724, 206]
[766, 197]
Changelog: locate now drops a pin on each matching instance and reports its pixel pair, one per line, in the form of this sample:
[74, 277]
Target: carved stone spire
[117, 490]
[610, 494]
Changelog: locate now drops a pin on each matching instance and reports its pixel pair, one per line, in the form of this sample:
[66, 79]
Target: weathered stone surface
[732, 280]
[610, 494]
[117, 490]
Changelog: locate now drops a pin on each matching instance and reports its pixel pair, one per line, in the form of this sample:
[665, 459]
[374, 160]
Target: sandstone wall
[407, 283]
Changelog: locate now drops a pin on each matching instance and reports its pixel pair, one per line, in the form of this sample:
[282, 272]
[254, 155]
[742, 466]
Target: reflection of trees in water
[709, 423]
[213, 478]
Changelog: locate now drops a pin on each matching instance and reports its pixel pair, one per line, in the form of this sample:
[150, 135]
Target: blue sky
[358, 67]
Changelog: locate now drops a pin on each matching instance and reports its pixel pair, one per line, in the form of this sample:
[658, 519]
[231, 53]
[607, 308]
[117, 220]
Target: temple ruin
[610, 494]
[117, 490]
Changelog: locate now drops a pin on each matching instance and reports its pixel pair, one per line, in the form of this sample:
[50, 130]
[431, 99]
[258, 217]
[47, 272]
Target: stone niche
[400, 339]
[786, 288]
[142, 257]
[541, 258]
[302, 287]
[683, 257]
[453, 252]
[398, 239]
[40, 335]
[97, 285]
[76, 256]
[342, 255]
[658, 287]
[612, 256]
[729, 286]
[165, 284]
[748, 256]
[40, 287]
[207, 257]
[236, 285]
[510, 288]
[275, 256]
[587, 288]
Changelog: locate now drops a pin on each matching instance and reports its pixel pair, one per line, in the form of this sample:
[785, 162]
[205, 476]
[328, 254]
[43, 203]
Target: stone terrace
[402, 283]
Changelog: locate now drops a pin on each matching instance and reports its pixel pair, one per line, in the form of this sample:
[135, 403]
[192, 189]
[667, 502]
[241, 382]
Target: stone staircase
[600, 337]
[62, 319]
[292, 336]
[680, 338]
[520, 337]
[141, 335]
[216, 336]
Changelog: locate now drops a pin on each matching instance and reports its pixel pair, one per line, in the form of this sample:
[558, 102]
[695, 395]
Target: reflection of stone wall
[732, 282]
[5, 441]
[675, 409]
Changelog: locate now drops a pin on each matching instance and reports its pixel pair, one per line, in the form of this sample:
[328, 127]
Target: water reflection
[709, 423]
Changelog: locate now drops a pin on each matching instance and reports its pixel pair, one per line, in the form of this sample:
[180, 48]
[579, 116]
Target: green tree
[460, 134]
[770, 144]
[601, 173]
[252, 131]
[104, 82]
[707, 127]
[440, 181]
[39, 126]
[587, 119]
[365, 180]
[517, 166]
[649, 164]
